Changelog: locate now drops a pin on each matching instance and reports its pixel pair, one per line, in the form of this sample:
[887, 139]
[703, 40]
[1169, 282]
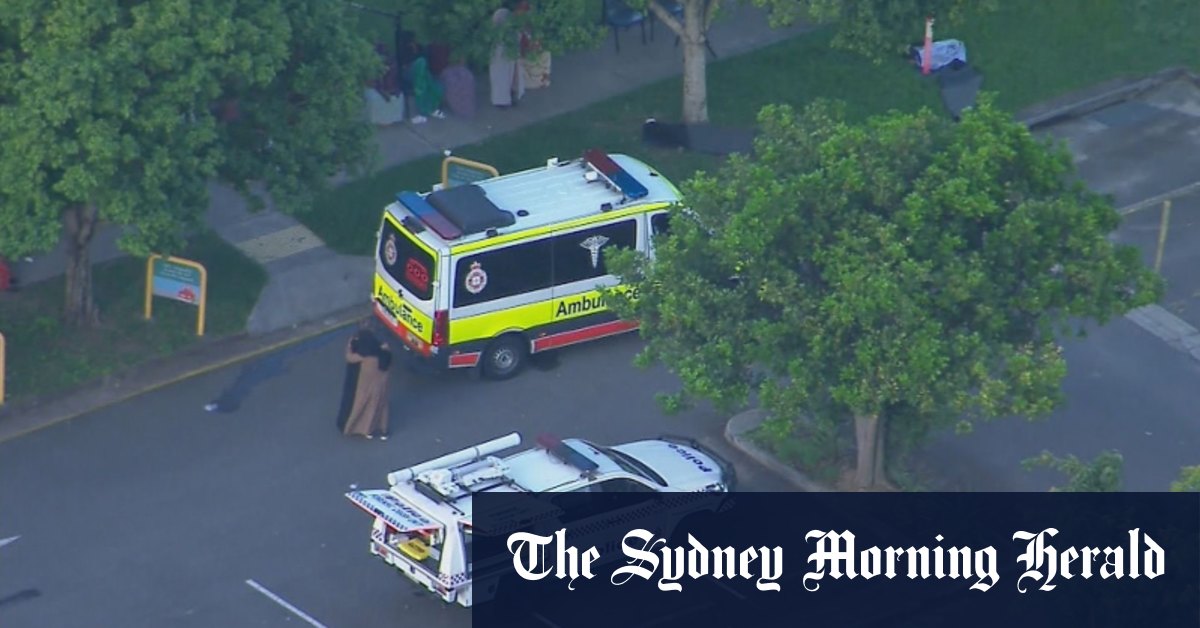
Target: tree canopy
[876, 28]
[556, 26]
[122, 112]
[906, 269]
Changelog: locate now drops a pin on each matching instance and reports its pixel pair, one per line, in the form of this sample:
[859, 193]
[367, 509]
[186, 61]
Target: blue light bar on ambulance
[430, 216]
[565, 453]
[615, 174]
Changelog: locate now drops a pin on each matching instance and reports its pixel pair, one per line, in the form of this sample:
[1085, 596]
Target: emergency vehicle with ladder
[423, 525]
[483, 274]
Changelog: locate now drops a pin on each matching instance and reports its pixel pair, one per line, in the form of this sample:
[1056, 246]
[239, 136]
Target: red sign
[416, 274]
[186, 295]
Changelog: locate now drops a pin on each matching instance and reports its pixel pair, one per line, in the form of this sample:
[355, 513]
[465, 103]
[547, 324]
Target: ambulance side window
[502, 272]
[660, 224]
[580, 255]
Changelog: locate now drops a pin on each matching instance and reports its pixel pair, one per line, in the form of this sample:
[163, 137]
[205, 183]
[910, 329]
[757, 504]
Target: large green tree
[874, 28]
[906, 270]
[122, 112]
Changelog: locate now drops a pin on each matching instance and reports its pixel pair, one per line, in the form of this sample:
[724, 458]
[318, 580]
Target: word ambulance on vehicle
[423, 524]
[486, 273]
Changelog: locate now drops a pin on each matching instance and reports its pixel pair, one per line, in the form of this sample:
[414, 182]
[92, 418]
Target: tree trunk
[79, 308]
[695, 78]
[869, 436]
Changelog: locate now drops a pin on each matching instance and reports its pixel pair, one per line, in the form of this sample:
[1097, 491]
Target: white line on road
[1157, 200]
[10, 539]
[284, 603]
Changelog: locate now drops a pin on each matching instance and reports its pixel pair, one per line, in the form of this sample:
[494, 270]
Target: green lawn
[1029, 51]
[44, 358]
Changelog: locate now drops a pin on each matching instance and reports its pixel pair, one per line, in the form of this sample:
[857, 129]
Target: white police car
[423, 524]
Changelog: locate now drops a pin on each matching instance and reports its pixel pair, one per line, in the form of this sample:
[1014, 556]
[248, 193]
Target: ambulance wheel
[504, 357]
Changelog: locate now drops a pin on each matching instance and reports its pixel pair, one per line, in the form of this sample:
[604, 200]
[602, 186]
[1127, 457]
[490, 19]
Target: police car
[423, 524]
[483, 274]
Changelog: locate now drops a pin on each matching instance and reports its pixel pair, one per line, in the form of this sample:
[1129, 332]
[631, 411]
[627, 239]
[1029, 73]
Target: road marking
[1157, 200]
[10, 539]
[280, 244]
[284, 603]
[1169, 328]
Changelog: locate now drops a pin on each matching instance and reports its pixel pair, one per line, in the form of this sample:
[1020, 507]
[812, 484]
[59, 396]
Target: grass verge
[45, 358]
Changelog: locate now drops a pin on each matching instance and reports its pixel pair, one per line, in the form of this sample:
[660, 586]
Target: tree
[122, 112]
[1188, 482]
[557, 26]
[1101, 475]
[907, 269]
[874, 28]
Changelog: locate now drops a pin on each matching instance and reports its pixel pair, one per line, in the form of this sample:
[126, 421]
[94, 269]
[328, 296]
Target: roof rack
[457, 211]
[599, 162]
[452, 484]
[456, 459]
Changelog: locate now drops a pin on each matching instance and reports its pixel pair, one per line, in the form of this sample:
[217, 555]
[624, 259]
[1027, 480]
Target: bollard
[1162, 234]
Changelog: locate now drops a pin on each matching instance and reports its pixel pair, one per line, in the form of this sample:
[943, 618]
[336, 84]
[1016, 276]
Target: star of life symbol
[593, 245]
[389, 250]
[476, 279]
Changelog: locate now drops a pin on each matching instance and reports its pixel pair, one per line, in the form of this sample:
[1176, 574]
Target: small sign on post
[458, 171]
[179, 280]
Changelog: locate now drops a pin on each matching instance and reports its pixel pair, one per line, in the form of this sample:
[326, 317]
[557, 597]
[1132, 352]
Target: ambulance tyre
[504, 357]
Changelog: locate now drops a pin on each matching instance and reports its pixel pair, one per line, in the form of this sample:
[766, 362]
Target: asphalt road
[156, 513]
[1125, 391]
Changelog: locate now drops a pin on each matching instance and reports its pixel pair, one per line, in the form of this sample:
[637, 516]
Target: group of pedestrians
[364, 407]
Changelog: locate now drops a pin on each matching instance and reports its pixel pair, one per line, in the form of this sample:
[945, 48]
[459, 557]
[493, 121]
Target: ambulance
[484, 274]
[423, 525]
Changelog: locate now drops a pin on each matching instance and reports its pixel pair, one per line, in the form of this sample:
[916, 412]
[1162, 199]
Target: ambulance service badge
[389, 250]
[476, 279]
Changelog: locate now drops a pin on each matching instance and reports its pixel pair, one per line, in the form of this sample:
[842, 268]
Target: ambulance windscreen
[407, 263]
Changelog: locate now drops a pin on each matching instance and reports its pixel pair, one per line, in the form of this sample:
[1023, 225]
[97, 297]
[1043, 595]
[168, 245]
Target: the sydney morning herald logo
[835, 554]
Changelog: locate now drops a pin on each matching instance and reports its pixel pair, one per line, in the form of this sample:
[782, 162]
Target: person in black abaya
[350, 383]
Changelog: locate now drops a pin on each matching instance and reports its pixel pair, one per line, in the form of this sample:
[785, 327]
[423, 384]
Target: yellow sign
[179, 280]
[458, 171]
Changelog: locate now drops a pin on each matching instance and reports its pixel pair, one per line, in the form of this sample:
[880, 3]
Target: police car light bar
[430, 216]
[565, 453]
[616, 175]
